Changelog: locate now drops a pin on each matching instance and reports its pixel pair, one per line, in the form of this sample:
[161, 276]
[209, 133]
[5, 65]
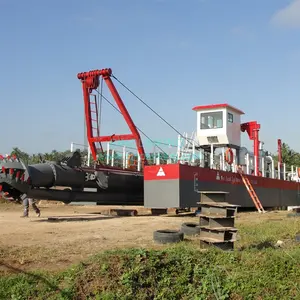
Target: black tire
[167, 236]
[190, 228]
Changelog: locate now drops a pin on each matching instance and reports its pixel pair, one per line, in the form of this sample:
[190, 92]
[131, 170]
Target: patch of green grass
[255, 270]
[179, 272]
[268, 231]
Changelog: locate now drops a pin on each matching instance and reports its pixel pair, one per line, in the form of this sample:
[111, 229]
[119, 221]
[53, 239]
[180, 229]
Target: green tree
[289, 156]
[25, 157]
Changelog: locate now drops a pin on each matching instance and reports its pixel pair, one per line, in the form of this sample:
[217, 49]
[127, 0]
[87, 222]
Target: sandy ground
[38, 243]
[81, 231]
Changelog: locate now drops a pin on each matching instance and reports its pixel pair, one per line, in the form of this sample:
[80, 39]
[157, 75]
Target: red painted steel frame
[279, 151]
[252, 129]
[90, 81]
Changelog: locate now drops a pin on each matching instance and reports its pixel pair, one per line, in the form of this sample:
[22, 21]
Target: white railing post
[89, 156]
[223, 159]
[158, 158]
[72, 147]
[169, 150]
[178, 147]
[211, 156]
[126, 160]
[107, 154]
[247, 163]
[154, 155]
[234, 161]
[112, 157]
[139, 163]
[124, 157]
[263, 167]
[193, 152]
[284, 170]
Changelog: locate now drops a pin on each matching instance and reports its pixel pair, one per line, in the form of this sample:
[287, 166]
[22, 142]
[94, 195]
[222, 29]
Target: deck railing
[117, 155]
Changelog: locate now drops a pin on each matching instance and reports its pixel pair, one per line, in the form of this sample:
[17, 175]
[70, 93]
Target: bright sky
[174, 54]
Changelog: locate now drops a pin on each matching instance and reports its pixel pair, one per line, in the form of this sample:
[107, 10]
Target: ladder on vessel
[95, 119]
[251, 191]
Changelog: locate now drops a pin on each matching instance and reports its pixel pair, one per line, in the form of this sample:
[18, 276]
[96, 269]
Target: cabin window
[212, 120]
[230, 118]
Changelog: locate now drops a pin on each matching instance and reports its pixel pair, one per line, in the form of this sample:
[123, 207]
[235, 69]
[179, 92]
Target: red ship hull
[176, 185]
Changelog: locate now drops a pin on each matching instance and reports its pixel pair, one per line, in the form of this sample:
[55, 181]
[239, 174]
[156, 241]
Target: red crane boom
[90, 81]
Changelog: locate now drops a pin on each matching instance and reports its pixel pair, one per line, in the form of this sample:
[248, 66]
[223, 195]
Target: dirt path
[35, 243]
[38, 243]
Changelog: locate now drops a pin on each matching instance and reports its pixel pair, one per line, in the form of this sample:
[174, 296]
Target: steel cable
[153, 142]
[163, 119]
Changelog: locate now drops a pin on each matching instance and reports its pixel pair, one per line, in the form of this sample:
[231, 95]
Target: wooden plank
[219, 204]
[220, 228]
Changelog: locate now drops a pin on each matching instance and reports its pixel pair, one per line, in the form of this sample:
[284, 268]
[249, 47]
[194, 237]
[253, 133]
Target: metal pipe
[252, 129]
[279, 151]
[256, 151]
[255, 166]
[69, 196]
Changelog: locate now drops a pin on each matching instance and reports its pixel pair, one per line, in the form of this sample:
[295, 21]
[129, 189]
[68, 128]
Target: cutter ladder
[251, 192]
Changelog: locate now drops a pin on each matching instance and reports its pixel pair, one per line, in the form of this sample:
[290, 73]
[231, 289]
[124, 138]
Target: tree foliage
[56, 156]
[39, 157]
[289, 156]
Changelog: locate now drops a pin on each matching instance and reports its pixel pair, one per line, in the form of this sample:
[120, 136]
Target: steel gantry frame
[90, 81]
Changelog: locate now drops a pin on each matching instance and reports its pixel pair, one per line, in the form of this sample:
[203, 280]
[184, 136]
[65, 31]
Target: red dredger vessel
[211, 160]
[236, 170]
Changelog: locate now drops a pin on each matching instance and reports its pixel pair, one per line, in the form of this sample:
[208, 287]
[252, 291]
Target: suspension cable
[135, 126]
[189, 140]
[164, 120]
